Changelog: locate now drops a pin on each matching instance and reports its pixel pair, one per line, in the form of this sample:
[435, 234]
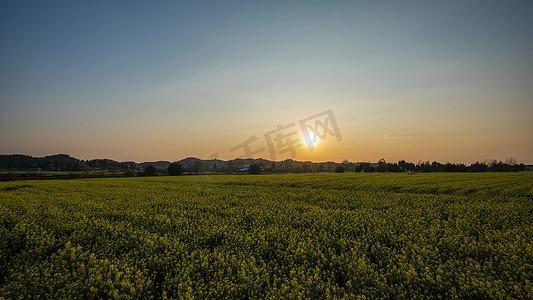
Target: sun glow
[313, 138]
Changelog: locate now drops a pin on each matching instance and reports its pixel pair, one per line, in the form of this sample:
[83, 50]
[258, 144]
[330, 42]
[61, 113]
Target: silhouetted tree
[254, 169]
[406, 166]
[382, 165]
[393, 167]
[150, 170]
[478, 167]
[175, 169]
[436, 167]
[339, 169]
[423, 167]
[348, 166]
[366, 167]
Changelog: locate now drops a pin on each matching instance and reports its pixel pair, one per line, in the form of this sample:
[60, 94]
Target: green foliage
[322, 236]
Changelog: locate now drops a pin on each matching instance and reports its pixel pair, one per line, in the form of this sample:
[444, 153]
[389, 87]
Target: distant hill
[160, 165]
[64, 162]
[56, 162]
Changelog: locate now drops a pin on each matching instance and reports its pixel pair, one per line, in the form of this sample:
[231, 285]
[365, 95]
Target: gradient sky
[143, 81]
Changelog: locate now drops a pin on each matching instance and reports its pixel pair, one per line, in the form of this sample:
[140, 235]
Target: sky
[157, 80]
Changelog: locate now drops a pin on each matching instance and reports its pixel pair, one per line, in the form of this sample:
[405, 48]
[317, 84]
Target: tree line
[65, 163]
[426, 167]
[60, 162]
[382, 166]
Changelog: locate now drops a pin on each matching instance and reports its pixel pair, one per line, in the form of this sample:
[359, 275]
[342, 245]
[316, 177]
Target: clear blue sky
[447, 81]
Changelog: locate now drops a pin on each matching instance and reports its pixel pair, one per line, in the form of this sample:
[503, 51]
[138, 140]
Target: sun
[313, 138]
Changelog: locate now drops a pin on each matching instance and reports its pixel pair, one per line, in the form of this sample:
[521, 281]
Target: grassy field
[317, 236]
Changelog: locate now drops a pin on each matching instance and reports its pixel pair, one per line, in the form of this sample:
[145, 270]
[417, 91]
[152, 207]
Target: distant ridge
[64, 162]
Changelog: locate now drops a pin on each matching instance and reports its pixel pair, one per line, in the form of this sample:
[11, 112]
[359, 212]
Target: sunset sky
[155, 80]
